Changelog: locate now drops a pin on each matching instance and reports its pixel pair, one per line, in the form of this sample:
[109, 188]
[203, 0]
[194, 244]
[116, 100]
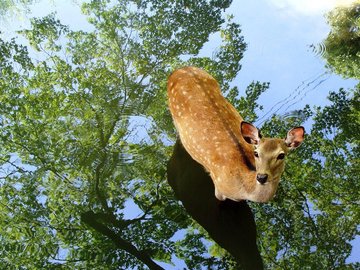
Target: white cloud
[309, 7]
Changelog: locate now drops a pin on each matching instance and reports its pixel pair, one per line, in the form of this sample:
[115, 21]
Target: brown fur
[209, 129]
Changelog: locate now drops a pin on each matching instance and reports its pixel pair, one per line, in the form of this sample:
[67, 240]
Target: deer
[242, 164]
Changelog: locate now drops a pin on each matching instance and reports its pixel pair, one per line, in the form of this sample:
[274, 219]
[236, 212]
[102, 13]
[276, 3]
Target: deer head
[270, 153]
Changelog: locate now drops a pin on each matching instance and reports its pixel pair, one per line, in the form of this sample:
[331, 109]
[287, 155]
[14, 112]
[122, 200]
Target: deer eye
[281, 156]
[256, 154]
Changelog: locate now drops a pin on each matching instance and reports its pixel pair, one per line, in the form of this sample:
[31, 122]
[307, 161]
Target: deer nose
[262, 178]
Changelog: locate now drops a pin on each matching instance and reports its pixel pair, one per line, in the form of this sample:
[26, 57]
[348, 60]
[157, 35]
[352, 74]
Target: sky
[279, 34]
[309, 7]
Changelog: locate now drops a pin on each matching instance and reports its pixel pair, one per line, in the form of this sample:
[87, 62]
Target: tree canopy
[14, 6]
[342, 50]
[85, 137]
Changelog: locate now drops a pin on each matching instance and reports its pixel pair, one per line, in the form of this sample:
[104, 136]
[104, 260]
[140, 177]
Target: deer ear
[295, 137]
[250, 133]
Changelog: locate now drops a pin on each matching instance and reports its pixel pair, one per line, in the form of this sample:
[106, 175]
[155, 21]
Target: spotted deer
[242, 164]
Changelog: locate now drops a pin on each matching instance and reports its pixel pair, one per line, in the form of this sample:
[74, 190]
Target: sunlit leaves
[248, 105]
[314, 212]
[14, 6]
[76, 115]
[342, 44]
[46, 31]
[86, 136]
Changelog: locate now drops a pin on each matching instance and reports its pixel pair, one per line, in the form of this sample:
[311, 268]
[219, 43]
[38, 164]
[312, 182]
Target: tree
[85, 137]
[14, 6]
[319, 194]
[313, 218]
[342, 51]
[84, 132]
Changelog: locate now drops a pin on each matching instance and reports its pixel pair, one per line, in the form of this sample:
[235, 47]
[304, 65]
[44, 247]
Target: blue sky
[279, 34]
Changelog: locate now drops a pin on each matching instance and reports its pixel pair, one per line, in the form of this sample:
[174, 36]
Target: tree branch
[89, 218]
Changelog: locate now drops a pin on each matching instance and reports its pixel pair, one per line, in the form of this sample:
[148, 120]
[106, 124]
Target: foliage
[14, 6]
[86, 137]
[314, 215]
[85, 134]
[342, 44]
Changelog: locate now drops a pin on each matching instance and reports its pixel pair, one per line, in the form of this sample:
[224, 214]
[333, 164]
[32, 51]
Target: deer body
[215, 135]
